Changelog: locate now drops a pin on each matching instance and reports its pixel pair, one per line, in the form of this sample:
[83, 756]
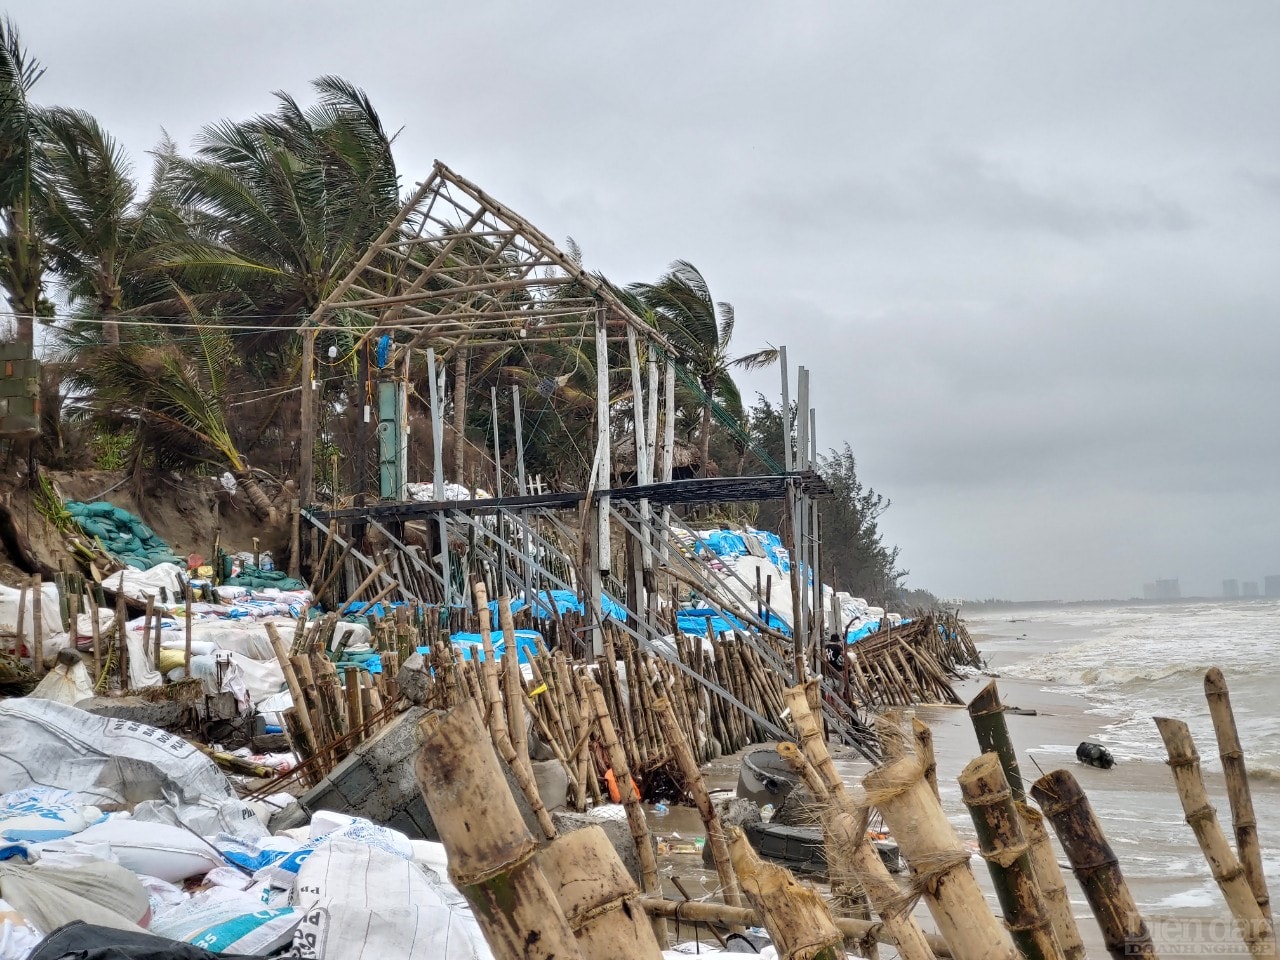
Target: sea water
[1123, 665]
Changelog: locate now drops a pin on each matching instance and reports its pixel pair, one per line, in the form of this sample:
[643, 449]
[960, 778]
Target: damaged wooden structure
[458, 271]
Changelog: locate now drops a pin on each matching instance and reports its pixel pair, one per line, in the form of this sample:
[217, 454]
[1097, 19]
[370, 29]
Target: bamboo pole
[489, 848]
[630, 794]
[923, 737]
[731, 893]
[188, 597]
[96, 628]
[19, 635]
[811, 739]
[598, 897]
[355, 709]
[707, 911]
[1184, 761]
[986, 712]
[122, 638]
[308, 749]
[940, 864]
[37, 628]
[1124, 932]
[848, 848]
[1003, 845]
[1053, 888]
[796, 917]
[515, 698]
[1243, 821]
[499, 732]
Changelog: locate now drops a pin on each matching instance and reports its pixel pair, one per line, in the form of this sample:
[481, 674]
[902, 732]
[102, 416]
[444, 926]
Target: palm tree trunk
[262, 507]
[459, 414]
[110, 327]
[706, 437]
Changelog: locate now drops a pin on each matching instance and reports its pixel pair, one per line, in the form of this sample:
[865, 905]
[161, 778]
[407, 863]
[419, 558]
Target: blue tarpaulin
[472, 645]
[566, 601]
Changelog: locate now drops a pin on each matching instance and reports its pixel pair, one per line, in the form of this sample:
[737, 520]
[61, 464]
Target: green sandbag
[123, 535]
[251, 578]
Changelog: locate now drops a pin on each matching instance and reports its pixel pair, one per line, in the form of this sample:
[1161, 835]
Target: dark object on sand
[1095, 755]
[765, 777]
[801, 849]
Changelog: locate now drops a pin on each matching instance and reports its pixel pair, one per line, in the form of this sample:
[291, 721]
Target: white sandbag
[277, 860]
[155, 849]
[142, 668]
[140, 584]
[50, 618]
[98, 892]
[18, 939]
[106, 761]
[360, 902]
[246, 679]
[224, 921]
[40, 815]
[65, 683]
[272, 708]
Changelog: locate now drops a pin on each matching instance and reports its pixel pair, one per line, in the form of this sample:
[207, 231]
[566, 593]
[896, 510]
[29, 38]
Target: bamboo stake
[811, 740]
[355, 710]
[122, 637]
[630, 794]
[19, 635]
[499, 732]
[940, 864]
[989, 797]
[489, 848]
[515, 697]
[96, 628]
[1184, 761]
[730, 891]
[305, 750]
[796, 917]
[187, 600]
[986, 712]
[1243, 821]
[598, 896]
[1053, 888]
[848, 847]
[924, 749]
[37, 627]
[1124, 932]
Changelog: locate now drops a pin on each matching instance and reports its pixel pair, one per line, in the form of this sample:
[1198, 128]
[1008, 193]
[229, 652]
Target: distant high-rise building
[1167, 590]
[1230, 589]
[1250, 588]
[1271, 585]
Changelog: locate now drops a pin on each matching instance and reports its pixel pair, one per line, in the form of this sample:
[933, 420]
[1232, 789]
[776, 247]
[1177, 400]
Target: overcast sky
[1030, 253]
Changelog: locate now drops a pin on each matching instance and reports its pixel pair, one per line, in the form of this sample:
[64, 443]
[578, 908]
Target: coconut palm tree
[176, 391]
[21, 253]
[702, 329]
[282, 205]
[100, 238]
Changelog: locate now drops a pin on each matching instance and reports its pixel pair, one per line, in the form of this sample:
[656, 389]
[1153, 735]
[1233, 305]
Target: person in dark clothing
[835, 652]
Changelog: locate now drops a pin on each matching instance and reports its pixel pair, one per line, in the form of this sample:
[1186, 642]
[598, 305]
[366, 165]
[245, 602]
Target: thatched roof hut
[685, 465]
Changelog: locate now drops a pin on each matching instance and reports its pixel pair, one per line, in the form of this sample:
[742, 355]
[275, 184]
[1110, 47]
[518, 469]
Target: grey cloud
[1028, 251]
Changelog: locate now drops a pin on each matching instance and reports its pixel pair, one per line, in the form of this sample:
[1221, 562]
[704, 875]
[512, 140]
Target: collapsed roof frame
[488, 275]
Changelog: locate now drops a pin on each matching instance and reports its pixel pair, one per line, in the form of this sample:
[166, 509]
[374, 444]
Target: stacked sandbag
[255, 578]
[122, 534]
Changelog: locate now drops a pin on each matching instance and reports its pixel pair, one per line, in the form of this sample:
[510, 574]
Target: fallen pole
[707, 911]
